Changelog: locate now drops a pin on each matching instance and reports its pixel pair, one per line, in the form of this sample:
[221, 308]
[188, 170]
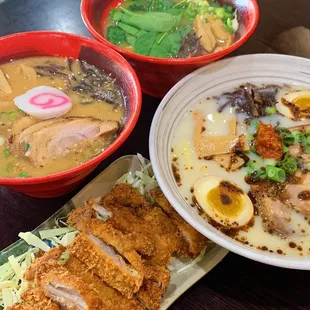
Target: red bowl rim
[130, 124]
[173, 61]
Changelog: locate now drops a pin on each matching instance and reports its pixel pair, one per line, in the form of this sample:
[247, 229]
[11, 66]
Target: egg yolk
[302, 102]
[227, 203]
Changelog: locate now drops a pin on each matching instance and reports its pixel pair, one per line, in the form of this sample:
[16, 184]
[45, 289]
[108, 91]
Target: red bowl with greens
[147, 51]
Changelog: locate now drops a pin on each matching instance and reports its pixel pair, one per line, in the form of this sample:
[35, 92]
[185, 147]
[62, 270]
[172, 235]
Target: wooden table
[236, 283]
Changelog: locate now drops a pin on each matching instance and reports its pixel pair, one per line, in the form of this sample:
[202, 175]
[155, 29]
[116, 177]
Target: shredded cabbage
[12, 284]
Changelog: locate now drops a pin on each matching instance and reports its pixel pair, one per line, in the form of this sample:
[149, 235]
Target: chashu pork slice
[56, 138]
[21, 140]
[276, 215]
[66, 289]
[106, 262]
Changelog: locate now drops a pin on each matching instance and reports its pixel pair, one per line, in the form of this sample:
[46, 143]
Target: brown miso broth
[95, 97]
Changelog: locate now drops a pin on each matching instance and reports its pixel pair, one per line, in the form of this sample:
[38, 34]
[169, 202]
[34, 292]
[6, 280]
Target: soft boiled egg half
[295, 105]
[223, 201]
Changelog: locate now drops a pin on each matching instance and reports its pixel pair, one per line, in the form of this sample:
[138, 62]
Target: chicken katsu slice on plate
[94, 210]
[109, 296]
[111, 237]
[150, 295]
[53, 254]
[107, 263]
[35, 297]
[21, 306]
[125, 195]
[66, 289]
[195, 241]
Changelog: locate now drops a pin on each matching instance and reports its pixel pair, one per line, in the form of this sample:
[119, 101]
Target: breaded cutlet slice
[152, 223]
[66, 289]
[112, 237]
[104, 261]
[110, 297]
[93, 210]
[124, 195]
[35, 297]
[196, 241]
[21, 306]
[53, 254]
[150, 295]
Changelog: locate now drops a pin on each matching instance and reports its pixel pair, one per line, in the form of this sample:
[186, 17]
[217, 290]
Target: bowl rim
[289, 262]
[173, 61]
[120, 139]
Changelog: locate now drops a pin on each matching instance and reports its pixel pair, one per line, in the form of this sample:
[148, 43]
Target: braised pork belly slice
[109, 265]
[66, 289]
[54, 139]
[276, 215]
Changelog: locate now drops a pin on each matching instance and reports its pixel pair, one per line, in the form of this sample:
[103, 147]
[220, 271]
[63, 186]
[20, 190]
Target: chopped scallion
[270, 111]
[275, 174]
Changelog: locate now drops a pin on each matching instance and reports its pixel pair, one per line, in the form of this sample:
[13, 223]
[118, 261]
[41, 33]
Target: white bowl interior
[206, 82]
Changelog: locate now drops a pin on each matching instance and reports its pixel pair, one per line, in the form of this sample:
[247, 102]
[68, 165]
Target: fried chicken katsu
[196, 241]
[103, 260]
[118, 259]
[66, 289]
[35, 297]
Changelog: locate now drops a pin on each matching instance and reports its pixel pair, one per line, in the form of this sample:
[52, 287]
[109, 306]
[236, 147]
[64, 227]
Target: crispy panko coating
[20, 306]
[150, 222]
[150, 295]
[66, 289]
[36, 298]
[111, 236]
[109, 296]
[138, 241]
[196, 241]
[53, 254]
[124, 195]
[107, 264]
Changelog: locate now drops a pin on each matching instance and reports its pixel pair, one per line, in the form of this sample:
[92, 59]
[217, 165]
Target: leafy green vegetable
[270, 110]
[151, 21]
[145, 43]
[165, 4]
[116, 35]
[219, 12]
[185, 30]
[115, 15]
[12, 115]
[129, 29]
[131, 39]
[27, 146]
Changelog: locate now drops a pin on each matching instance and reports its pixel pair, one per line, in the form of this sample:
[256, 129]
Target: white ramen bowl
[209, 81]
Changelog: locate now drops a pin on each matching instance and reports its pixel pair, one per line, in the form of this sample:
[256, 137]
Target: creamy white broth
[190, 169]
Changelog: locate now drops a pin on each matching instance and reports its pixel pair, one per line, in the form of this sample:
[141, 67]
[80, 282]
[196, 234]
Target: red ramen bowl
[46, 43]
[158, 75]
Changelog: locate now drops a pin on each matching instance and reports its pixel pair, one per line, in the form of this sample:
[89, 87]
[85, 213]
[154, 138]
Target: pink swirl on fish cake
[48, 100]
